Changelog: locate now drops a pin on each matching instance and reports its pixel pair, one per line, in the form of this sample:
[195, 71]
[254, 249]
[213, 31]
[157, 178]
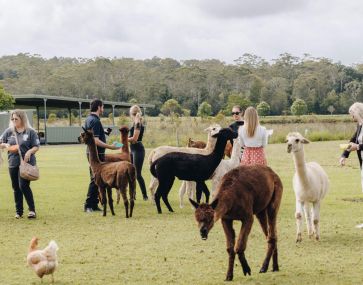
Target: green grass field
[167, 249]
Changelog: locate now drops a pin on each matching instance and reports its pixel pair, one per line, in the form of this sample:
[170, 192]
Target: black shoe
[146, 198]
[96, 209]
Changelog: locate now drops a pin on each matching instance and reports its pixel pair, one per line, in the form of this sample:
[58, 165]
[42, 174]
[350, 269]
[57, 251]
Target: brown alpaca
[243, 192]
[201, 144]
[110, 175]
[196, 144]
[124, 155]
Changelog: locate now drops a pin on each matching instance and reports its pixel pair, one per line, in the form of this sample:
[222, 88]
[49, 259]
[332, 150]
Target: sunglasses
[235, 113]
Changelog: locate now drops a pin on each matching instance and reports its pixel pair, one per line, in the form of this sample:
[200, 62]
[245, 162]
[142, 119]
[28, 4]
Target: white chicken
[43, 261]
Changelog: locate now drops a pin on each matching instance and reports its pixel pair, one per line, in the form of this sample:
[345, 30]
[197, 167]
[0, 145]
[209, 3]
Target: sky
[183, 29]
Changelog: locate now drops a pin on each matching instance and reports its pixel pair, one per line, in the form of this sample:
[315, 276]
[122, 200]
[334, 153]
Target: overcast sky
[183, 29]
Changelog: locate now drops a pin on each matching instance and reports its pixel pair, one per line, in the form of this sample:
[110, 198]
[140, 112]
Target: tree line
[315, 85]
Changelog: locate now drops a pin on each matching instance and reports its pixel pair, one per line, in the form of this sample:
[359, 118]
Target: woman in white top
[253, 138]
[356, 142]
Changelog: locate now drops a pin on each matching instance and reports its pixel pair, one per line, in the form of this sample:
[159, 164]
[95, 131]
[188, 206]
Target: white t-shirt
[360, 136]
[258, 140]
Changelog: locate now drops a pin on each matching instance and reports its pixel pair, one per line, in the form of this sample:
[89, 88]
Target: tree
[6, 100]
[299, 107]
[171, 107]
[204, 110]
[263, 109]
[236, 99]
[331, 109]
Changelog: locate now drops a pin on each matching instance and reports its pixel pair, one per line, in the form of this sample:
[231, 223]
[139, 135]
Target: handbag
[26, 170]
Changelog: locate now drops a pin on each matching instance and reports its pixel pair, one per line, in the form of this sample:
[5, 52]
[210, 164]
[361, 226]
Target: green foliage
[263, 108]
[52, 118]
[299, 107]
[171, 107]
[6, 100]
[204, 110]
[236, 99]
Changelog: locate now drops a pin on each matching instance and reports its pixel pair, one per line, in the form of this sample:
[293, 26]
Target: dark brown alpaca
[124, 155]
[243, 192]
[110, 175]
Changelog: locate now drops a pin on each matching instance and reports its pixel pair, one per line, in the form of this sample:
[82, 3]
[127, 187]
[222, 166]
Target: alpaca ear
[84, 129]
[195, 204]
[286, 141]
[305, 141]
[214, 204]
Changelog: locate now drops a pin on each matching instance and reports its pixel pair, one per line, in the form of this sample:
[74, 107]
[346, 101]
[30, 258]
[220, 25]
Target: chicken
[43, 261]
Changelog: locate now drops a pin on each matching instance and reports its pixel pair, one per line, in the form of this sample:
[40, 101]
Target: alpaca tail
[153, 169]
[150, 157]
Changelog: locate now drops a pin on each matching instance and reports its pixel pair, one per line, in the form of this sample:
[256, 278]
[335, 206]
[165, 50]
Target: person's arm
[346, 153]
[35, 143]
[105, 145]
[29, 153]
[4, 139]
[135, 137]
[97, 129]
[240, 137]
[264, 136]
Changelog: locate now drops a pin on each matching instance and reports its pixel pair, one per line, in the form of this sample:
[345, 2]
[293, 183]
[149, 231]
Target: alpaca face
[124, 130]
[87, 136]
[295, 142]
[213, 129]
[204, 215]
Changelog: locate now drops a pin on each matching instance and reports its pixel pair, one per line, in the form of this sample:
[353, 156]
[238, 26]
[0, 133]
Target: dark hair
[95, 104]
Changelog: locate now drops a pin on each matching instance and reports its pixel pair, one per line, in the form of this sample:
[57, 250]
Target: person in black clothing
[136, 146]
[93, 122]
[237, 114]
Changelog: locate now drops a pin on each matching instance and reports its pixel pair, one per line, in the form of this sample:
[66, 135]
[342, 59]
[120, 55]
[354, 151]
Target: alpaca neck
[218, 151]
[236, 151]
[93, 154]
[125, 142]
[211, 142]
[300, 165]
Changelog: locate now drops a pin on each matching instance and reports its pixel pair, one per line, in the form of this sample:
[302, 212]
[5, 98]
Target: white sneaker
[32, 215]
[360, 226]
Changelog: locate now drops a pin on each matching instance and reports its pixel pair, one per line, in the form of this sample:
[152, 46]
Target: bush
[299, 107]
[263, 109]
[52, 118]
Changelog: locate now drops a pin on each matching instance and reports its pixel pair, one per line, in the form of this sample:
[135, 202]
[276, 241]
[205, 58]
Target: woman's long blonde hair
[251, 121]
[21, 114]
[357, 111]
[136, 113]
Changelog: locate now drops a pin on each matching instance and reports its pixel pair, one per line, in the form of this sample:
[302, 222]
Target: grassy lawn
[167, 249]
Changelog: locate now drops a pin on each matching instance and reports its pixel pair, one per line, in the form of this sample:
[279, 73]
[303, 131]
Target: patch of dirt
[355, 200]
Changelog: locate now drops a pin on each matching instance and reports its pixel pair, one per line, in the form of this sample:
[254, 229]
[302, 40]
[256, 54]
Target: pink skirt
[253, 156]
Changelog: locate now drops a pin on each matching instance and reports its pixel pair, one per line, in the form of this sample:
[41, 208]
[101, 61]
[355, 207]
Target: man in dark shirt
[237, 114]
[93, 122]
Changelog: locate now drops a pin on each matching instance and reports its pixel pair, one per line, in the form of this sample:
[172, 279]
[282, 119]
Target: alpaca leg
[230, 240]
[152, 187]
[309, 222]
[316, 219]
[271, 240]
[262, 218]
[132, 198]
[241, 244]
[52, 278]
[203, 188]
[165, 194]
[157, 199]
[126, 202]
[182, 191]
[110, 200]
[198, 194]
[104, 200]
[299, 219]
[118, 196]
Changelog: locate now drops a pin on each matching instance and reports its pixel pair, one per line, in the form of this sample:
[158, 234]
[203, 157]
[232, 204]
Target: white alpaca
[225, 166]
[162, 150]
[310, 184]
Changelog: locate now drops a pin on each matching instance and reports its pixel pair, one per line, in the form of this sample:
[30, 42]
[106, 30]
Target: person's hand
[353, 146]
[113, 147]
[342, 161]
[4, 145]
[27, 156]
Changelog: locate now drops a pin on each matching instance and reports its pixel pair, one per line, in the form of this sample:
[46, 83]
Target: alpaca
[187, 166]
[162, 150]
[225, 166]
[124, 155]
[196, 144]
[310, 184]
[243, 192]
[110, 175]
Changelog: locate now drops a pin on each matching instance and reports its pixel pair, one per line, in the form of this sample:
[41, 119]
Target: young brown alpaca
[110, 175]
[243, 192]
[124, 155]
